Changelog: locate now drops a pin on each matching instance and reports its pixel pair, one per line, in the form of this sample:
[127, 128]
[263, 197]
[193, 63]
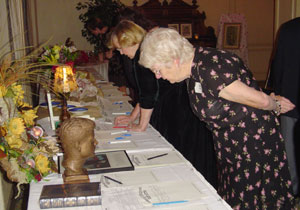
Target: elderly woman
[165, 106]
[253, 172]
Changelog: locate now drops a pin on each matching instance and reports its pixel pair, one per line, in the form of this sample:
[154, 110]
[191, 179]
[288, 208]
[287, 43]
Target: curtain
[15, 24]
[16, 27]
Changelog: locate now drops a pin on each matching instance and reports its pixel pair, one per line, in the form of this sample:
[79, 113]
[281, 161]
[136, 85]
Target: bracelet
[277, 110]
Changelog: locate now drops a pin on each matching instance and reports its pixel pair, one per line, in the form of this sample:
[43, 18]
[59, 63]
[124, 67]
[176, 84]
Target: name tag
[198, 87]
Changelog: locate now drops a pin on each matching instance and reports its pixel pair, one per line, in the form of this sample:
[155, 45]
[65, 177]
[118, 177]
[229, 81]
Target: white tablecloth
[161, 177]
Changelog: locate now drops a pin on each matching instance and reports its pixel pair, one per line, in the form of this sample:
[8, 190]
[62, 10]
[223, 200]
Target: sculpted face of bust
[78, 142]
[87, 147]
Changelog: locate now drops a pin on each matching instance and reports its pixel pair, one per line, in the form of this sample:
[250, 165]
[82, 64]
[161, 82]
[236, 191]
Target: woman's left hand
[286, 104]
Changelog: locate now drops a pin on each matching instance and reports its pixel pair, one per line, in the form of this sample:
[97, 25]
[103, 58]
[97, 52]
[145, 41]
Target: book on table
[70, 195]
[104, 162]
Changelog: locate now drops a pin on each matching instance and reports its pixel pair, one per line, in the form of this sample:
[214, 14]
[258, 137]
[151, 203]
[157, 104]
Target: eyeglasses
[156, 72]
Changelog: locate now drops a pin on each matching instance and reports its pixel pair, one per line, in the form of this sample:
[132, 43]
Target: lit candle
[64, 80]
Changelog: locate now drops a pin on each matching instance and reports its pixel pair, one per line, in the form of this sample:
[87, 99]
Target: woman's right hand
[123, 120]
[285, 104]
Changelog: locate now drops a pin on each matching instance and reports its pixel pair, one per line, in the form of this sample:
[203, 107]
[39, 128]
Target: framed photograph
[104, 162]
[232, 35]
[174, 26]
[186, 30]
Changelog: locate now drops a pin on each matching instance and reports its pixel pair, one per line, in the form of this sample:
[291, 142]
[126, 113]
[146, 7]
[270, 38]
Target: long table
[167, 182]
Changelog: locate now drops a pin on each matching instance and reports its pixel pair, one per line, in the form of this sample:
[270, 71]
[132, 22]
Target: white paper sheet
[113, 140]
[150, 195]
[141, 159]
[180, 172]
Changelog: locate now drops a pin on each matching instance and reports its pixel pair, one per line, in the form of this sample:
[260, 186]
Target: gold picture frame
[232, 35]
[186, 30]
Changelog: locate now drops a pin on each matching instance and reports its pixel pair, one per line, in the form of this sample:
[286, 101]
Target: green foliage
[106, 11]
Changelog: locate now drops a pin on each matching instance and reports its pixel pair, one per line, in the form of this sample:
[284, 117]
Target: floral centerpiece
[59, 54]
[24, 153]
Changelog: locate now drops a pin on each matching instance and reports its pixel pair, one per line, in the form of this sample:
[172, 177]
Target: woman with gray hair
[253, 169]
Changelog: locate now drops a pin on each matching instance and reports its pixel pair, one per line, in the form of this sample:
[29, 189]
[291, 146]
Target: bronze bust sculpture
[78, 142]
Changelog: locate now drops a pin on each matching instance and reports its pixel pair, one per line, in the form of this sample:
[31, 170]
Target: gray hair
[164, 45]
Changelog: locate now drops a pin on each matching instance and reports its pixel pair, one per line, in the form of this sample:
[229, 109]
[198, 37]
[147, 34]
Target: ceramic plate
[78, 109]
[54, 103]
[69, 106]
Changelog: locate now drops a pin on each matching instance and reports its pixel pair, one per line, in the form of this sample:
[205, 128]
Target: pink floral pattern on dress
[253, 170]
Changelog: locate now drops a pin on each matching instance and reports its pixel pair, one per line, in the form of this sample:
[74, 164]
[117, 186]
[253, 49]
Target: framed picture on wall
[232, 35]
[174, 26]
[186, 30]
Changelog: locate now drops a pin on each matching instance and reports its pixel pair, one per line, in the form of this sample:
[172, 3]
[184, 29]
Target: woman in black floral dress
[253, 170]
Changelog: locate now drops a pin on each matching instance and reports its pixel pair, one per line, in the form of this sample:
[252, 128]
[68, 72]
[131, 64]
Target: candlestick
[50, 110]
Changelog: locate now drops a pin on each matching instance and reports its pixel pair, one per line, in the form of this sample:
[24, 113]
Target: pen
[123, 126]
[118, 132]
[118, 102]
[118, 142]
[157, 156]
[116, 181]
[121, 113]
[169, 202]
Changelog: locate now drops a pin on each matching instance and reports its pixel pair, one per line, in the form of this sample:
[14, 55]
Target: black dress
[173, 118]
[250, 149]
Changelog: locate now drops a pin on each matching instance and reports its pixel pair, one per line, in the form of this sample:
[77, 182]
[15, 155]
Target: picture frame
[104, 162]
[174, 26]
[186, 30]
[232, 35]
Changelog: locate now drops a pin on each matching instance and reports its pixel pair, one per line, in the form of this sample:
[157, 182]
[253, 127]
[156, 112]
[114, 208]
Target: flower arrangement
[59, 54]
[82, 58]
[24, 153]
[22, 142]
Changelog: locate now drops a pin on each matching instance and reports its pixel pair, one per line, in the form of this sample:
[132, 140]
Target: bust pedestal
[73, 179]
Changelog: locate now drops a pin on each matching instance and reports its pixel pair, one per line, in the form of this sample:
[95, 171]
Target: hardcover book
[70, 195]
[104, 162]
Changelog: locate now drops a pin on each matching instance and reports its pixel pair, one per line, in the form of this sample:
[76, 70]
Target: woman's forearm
[135, 112]
[145, 117]
[243, 94]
